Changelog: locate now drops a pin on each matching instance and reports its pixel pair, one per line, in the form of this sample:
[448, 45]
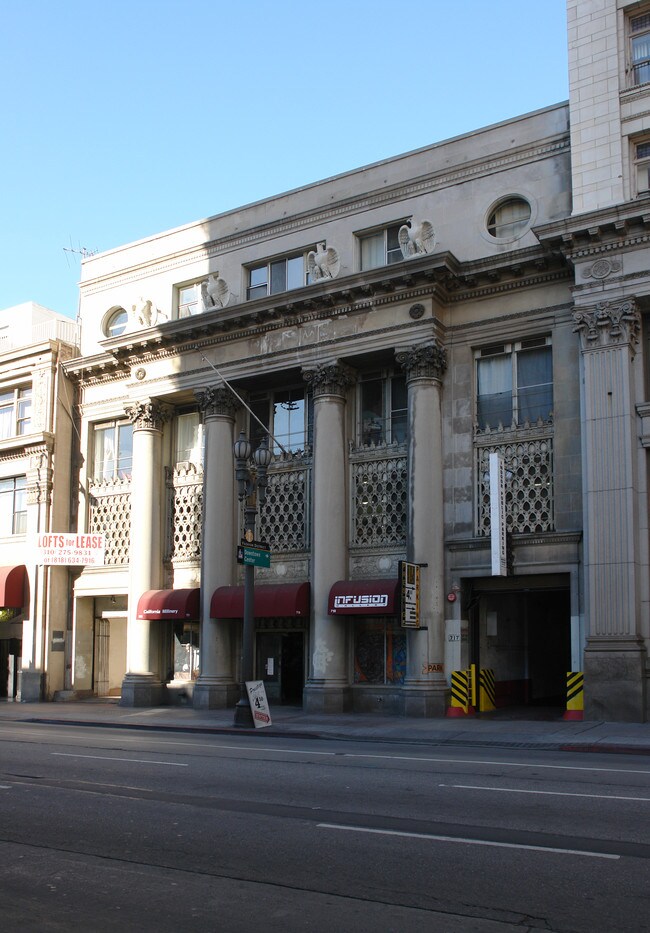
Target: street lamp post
[251, 488]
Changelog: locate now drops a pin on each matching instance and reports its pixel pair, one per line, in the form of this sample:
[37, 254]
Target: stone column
[215, 687]
[142, 684]
[327, 688]
[615, 655]
[424, 691]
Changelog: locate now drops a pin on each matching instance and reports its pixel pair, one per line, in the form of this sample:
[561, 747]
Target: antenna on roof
[79, 251]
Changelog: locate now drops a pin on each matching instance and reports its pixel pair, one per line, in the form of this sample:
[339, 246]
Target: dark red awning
[177, 605]
[364, 597]
[12, 587]
[271, 600]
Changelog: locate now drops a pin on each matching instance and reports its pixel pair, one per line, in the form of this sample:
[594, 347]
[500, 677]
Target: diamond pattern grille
[529, 485]
[379, 492]
[110, 515]
[185, 489]
[283, 520]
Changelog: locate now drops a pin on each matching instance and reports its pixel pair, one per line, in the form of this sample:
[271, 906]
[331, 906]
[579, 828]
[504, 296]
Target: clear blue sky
[122, 119]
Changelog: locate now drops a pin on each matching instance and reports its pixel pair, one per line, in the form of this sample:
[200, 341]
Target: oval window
[116, 323]
[510, 218]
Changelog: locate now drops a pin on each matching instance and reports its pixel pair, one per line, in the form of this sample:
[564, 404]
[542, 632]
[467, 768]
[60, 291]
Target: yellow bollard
[575, 695]
[461, 694]
[487, 698]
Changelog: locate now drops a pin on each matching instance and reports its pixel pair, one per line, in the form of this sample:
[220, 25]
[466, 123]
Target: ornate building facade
[387, 330]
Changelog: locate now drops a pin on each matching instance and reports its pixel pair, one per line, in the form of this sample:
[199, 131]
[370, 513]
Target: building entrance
[524, 636]
[280, 664]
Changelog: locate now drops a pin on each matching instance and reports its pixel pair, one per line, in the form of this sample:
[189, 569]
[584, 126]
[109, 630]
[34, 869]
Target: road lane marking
[545, 793]
[143, 761]
[505, 764]
[464, 841]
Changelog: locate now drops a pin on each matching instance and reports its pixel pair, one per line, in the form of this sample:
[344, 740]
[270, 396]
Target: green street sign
[253, 556]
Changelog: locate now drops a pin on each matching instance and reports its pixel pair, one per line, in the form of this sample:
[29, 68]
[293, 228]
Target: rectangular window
[379, 652]
[113, 450]
[380, 248]
[188, 301]
[279, 275]
[13, 506]
[514, 384]
[640, 48]
[383, 409]
[642, 167]
[287, 414]
[189, 438]
[15, 412]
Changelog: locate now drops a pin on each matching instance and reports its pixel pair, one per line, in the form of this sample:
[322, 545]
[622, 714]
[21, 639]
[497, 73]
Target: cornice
[581, 236]
[439, 276]
[402, 191]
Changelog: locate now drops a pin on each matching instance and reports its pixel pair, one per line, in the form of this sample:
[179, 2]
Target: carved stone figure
[144, 314]
[323, 263]
[215, 292]
[415, 239]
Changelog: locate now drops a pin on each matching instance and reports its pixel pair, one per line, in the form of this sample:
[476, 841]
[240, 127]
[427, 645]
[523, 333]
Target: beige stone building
[36, 453]
[387, 330]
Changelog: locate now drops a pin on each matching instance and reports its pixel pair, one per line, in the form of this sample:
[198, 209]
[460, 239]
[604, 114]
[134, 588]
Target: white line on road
[142, 761]
[471, 842]
[505, 764]
[545, 793]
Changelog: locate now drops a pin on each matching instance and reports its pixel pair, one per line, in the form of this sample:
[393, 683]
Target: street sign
[253, 557]
[259, 545]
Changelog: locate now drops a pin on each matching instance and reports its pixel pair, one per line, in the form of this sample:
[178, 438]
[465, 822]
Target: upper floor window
[189, 438]
[514, 383]
[15, 412]
[113, 450]
[116, 322]
[509, 218]
[278, 275]
[382, 409]
[640, 48]
[188, 301]
[13, 506]
[380, 248]
[642, 165]
[286, 414]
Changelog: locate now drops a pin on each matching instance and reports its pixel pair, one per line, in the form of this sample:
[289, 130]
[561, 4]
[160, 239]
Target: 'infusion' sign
[361, 601]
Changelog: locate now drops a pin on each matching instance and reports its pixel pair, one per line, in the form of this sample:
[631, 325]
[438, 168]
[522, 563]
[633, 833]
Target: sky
[123, 119]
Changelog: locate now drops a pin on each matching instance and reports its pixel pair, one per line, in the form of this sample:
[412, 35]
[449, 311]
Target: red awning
[364, 597]
[177, 605]
[271, 600]
[12, 587]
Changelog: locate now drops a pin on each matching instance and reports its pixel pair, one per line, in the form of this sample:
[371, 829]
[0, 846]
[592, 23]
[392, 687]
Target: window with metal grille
[639, 32]
[514, 384]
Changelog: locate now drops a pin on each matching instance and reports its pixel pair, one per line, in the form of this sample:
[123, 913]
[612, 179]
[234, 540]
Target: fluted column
[142, 684]
[425, 686]
[614, 655]
[327, 688]
[216, 686]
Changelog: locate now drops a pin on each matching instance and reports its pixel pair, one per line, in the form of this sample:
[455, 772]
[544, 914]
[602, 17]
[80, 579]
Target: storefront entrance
[524, 636]
[280, 664]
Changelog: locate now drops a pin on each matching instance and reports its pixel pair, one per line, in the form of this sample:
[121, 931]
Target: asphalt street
[104, 829]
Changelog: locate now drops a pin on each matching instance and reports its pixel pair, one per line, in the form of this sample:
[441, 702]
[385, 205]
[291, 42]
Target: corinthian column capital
[427, 361]
[329, 379]
[148, 415]
[215, 401]
[609, 323]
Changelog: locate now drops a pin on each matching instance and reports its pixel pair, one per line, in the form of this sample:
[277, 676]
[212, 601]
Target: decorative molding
[217, 401]
[149, 415]
[428, 361]
[329, 379]
[416, 311]
[610, 323]
[602, 268]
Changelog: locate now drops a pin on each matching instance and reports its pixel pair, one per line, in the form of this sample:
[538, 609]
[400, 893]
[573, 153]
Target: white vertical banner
[498, 516]
[259, 703]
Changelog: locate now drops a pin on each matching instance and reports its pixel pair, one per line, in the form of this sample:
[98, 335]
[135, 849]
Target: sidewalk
[495, 729]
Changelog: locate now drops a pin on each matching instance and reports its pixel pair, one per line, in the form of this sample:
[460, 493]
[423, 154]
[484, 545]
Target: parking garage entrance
[521, 629]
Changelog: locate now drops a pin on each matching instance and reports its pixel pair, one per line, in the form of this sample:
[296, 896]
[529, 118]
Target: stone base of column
[427, 702]
[321, 699]
[209, 694]
[142, 690]
[32, 686]
[615, 680]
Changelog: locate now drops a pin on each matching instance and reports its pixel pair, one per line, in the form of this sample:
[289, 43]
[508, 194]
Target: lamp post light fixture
[251, 490]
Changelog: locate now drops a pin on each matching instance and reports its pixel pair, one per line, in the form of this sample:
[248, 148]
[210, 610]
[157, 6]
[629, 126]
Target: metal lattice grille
[186, 496]
[283, 519]
[110, 515]
[529, 485]
[379, 492]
